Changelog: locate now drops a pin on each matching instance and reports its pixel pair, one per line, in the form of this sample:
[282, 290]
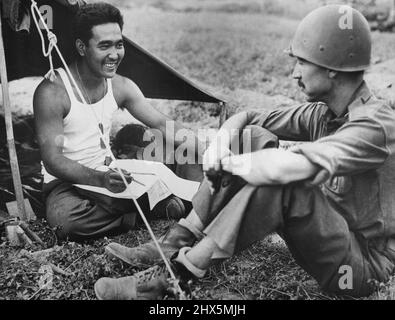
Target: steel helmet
[336, 37]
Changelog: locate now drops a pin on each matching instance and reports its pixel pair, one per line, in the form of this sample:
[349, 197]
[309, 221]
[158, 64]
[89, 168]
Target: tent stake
[16, 177]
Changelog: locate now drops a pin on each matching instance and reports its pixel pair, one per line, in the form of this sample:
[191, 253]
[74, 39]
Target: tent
[24, 55]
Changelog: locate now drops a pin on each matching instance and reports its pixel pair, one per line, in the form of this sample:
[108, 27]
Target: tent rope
[52, 76]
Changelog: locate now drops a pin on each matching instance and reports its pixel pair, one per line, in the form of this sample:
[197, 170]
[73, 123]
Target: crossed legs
[317, 235]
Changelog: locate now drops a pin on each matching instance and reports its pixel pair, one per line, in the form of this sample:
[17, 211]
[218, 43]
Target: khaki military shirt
[355, 152]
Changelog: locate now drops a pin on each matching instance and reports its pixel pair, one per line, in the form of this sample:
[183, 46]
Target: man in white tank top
[68, 135]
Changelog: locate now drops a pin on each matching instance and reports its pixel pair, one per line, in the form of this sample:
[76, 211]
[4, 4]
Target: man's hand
[212, 164]
[113, 181]
[213, 155]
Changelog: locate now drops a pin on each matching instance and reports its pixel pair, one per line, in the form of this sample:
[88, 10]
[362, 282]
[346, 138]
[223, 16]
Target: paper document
[154, 178]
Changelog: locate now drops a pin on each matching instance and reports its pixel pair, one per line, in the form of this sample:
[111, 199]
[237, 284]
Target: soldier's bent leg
[188, 230]
[318, 236]
[208, 206]
[321, 242]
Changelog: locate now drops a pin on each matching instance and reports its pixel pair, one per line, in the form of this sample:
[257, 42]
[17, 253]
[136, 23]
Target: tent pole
[16, 177]
[223, 115]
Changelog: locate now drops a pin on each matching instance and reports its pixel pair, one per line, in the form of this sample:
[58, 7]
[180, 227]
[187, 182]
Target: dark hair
[93, 14]
[131, 133]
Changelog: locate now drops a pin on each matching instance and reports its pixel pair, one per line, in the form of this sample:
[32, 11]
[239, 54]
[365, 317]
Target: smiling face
[104, 50]
[314, 81]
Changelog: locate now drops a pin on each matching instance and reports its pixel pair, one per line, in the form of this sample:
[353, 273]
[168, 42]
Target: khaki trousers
[318, 236]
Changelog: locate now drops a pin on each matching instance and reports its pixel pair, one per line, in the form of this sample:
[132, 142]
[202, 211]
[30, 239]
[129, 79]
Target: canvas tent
[24, 54]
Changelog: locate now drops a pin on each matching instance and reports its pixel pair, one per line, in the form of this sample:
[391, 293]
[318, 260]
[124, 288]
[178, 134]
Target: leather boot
[176, 237]
[150, 284]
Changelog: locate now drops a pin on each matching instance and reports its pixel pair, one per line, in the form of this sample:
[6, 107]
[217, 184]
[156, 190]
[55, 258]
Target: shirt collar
[360, 97]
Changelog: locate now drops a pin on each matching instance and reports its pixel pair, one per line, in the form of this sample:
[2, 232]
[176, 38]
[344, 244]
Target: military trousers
[79, 214]
[317, 236]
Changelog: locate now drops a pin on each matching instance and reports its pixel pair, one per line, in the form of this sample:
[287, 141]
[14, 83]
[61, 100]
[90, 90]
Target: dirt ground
[233, 49]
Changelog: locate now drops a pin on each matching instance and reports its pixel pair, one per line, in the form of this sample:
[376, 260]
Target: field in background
[294, 9]
[233, 48]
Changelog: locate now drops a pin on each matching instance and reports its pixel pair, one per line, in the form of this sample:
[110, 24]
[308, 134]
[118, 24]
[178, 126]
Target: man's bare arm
[49, 110]
[138, 106]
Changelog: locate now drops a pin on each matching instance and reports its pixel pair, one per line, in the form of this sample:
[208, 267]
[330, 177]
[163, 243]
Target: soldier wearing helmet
[334, 37]
[330, 197]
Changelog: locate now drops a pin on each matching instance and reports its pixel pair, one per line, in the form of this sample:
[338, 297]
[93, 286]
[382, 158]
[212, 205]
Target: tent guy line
[116, 167]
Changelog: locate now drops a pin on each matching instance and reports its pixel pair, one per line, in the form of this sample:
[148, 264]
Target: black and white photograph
[224, 151]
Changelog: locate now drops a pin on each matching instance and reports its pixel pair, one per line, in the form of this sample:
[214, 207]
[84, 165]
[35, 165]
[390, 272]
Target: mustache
[301, 84]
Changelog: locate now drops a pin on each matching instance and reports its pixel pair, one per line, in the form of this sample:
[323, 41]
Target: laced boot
[151, 284]
[176, 237]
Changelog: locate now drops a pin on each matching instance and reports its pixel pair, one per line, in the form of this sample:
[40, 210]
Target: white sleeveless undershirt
[80, 128]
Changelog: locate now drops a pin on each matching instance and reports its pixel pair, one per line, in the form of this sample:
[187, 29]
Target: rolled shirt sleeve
[298, 123]
[359, 145]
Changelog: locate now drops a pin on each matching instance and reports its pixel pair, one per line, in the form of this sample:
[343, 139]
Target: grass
[265, 271]
[235, 49]
[230, 51]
